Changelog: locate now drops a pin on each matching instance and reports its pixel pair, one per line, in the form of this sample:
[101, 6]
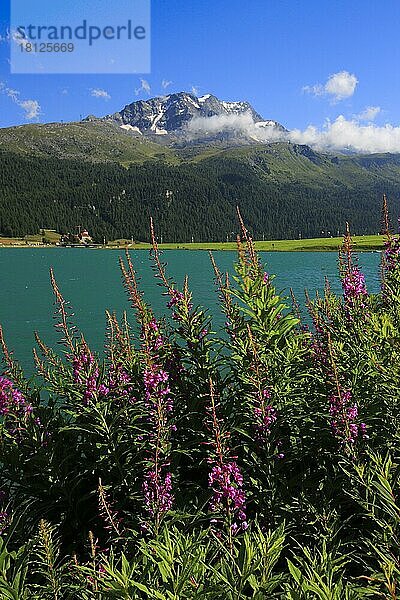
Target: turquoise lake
[90, 279]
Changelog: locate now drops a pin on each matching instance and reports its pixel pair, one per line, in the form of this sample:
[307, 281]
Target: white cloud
[144, 87]
[338, 86]
[349, 134]
[239, 124]
[336, 136]
[31, 108]
[13, 94]
[369, 114]
[98, 93]
[315, 90]
[195, 90]
[341, 85]
[165, 83]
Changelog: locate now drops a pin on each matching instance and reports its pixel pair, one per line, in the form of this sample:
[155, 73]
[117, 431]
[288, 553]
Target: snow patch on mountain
[130, 128]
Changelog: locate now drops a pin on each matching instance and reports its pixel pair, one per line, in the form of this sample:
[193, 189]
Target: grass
[49, 235]
[88, 141]
[362, 242]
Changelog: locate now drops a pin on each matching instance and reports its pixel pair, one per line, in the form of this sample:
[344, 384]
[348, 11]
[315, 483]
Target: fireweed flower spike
[353, 281]
[225, 478]
[62, 312]
[264, 415]
[343, 410]
[250, 256]
[118, 381]
[156, 256]
[119, 348]
[86, 374]
[131, 285]
[157, 484]
[14, 408]
[110, 516]
[229, 309]
[5, 351]
[179, 301]
[119, 353]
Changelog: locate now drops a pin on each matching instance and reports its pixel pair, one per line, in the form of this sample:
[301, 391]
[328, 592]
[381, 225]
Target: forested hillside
[284, 190]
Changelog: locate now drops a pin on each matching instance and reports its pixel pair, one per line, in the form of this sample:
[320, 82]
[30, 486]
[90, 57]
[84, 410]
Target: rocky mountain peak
[172, 113]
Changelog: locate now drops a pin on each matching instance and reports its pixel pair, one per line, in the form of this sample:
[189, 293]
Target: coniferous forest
[196, 199]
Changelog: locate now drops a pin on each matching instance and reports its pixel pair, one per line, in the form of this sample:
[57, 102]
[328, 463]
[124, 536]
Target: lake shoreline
[368, 243]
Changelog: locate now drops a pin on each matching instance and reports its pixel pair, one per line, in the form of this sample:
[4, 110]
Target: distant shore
[361, 243]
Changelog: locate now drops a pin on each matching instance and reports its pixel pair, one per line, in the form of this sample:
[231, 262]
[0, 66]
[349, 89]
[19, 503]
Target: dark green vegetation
[260, 464]
[60, 176]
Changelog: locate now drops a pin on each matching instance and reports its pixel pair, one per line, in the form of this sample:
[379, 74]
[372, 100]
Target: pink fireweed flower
[226, 482]
[157, 489]
[85, 372]
[225, 478]
[157, 484]
[153, 325]
[81, 364]
[155, 339]
[155, 382]
[11, 399]
[354, 289]
[157, 388]
[344, 415]
[103, 390]
[353, 281]
[14, 408]
[176, 297]
[118, 383]
[177, 300]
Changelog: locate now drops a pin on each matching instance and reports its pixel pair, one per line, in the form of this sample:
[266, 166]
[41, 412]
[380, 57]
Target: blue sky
[263, 51]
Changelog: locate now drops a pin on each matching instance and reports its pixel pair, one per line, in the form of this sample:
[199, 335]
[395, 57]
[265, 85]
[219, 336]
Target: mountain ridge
[112, 179]
[174, 113]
